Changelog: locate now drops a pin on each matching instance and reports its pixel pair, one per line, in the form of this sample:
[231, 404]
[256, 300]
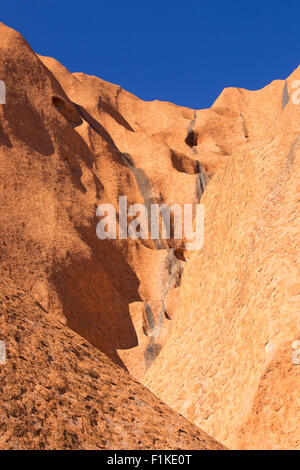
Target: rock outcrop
[68, 143]
[211, 332]
[57, 163]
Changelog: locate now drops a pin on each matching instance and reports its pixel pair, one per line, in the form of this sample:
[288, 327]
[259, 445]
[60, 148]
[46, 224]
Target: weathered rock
[59, 392]
[227, 365]
[69, 142]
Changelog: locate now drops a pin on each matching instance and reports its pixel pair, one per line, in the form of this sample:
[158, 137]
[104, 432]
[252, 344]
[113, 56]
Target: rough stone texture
[227, 365]
[68, 143]
[59, 392]
[57, 163]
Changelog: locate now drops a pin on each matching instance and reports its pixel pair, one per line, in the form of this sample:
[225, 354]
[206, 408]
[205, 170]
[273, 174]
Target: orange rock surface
[59, 392]
[68, 143]
[210, 332]
[227, 365]
[59, 158]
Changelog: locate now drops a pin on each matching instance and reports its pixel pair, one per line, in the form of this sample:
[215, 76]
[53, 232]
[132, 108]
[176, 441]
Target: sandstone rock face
[58, 161]
[70, 142]
[214, 330]
[227, 365]
[59, 392]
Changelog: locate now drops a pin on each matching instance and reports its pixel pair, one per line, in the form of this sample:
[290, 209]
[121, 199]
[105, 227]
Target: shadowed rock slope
[59, 392]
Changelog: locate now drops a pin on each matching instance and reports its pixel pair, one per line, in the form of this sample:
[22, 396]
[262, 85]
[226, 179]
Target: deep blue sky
[180, 51]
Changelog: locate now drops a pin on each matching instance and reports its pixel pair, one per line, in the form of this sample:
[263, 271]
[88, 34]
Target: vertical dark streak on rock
[285, 96]
[245, 130]
[201, 181]
[117, 97]
[173, 266]
[149, 316]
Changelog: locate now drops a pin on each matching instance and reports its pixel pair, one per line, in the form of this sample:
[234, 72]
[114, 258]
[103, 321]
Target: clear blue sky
[180, 51]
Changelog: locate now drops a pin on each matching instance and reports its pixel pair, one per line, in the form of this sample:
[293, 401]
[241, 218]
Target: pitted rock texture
[59, 392]
[227, 364]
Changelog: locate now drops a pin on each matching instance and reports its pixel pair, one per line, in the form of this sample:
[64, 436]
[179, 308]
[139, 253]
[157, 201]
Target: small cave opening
[191, 139]
[67, 110]
[58, 102]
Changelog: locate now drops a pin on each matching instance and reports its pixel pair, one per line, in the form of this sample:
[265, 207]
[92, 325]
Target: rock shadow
[96, 291]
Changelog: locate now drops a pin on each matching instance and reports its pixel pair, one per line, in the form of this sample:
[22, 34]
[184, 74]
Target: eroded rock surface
[227, 365]
[70, 142]
[59, 392]
[212, 329]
